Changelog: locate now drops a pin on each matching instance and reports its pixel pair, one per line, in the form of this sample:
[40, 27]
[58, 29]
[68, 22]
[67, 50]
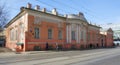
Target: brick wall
[43, 36]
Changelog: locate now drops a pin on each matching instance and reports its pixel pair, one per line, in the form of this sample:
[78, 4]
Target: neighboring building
[35, 27]
[103, 40]
[107, 37]
[116, 29]
[2, 37]
[93, 35]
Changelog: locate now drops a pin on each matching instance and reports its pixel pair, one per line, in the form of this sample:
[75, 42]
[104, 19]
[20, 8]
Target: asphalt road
[87, 57]
[107, 60]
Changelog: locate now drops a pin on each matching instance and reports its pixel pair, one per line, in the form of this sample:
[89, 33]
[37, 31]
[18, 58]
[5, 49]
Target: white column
[67, 33]
[77, 33]
[84, 35]
[70, 33]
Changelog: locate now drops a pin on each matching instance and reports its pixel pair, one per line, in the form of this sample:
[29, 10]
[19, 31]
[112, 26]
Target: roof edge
[95, 26]
[14, 18]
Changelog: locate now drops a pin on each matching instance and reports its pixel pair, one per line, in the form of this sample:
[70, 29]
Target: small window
[49, 33]
[73, 35]
[60, 34]
[36, 33]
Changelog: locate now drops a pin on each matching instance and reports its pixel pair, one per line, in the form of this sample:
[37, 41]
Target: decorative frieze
[60, 25]
[37, 20]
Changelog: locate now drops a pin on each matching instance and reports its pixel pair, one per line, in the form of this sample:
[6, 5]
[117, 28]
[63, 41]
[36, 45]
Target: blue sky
[96, 11]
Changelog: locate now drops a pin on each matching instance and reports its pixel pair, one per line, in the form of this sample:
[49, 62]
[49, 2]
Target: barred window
[36, 33]
[49, 33]
[73, 35]
[36, 20]
[59, 34]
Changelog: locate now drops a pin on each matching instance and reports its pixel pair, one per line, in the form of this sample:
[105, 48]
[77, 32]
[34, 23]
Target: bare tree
[3, 15]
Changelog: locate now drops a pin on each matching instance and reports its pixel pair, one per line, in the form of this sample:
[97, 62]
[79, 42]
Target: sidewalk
[14, 54]
[7, 54]
[11, 54]
[36, 52]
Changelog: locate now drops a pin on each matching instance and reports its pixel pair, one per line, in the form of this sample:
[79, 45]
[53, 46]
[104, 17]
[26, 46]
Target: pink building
[107, 37]
[37, 28]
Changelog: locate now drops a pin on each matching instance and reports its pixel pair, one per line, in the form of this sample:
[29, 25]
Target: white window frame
[60, 35]
[36, 33]
[50, 34]
[73, 35]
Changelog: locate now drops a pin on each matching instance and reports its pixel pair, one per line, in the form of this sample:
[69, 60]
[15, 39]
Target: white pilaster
[67, 34]
[70, 33]
[79, 34]
[77, 31]
[85, 35]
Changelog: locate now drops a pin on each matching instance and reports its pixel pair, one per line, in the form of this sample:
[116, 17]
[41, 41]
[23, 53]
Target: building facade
[116, 29]
[107, 37]
[33, 28]
[2, 37]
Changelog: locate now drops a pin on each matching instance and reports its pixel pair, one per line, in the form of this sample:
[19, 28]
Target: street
[114, 60]
[110, 56]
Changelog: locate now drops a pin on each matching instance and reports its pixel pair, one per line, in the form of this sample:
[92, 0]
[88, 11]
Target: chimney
[81, 14]
[54, 11]
[44, 10]
[37, 7]
[29, 5]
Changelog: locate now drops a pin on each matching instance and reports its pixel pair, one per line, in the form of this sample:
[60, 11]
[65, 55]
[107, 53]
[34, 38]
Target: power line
[87, 11]
[59, 8]
[90, 15]
[52, 6]
[72, 7]
[82, 6]
[66, 5]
